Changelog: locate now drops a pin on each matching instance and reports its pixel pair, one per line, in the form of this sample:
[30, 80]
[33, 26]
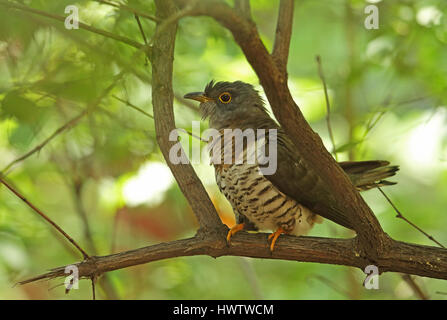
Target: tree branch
[415, 287]
[172, 19]
[402, 257]
[131, 105]
[68, 125]
[162, 99]
[44, 216]
[401, 216]
[283, 34]
[129, 9]
[243, 7]
[328, 106]
[39, 147]
[82, 25]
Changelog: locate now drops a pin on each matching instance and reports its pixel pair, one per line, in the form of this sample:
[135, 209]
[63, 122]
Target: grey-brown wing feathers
[295, 179]
[300, 182]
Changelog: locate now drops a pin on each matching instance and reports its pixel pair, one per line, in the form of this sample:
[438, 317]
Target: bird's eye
[225, 97]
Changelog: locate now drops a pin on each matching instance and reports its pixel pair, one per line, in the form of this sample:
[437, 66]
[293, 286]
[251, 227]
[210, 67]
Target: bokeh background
[105, 182]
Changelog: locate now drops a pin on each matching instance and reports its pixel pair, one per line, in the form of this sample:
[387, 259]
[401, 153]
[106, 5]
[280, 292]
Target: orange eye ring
[225, 97]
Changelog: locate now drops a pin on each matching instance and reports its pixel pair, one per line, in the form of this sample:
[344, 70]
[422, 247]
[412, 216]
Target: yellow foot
[234, 229]
[275, 236]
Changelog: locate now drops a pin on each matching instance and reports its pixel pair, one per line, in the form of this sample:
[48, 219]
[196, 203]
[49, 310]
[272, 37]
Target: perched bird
[292, 199]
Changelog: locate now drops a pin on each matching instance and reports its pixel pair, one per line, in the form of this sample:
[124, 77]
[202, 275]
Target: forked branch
[162, 100]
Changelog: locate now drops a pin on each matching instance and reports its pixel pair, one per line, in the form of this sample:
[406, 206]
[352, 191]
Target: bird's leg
[275, 236]
[234, 229]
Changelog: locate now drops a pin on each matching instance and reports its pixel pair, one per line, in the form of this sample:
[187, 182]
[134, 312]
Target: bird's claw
[234, 229]
[274, 236]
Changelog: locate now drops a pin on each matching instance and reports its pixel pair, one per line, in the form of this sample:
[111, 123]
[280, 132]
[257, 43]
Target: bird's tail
[366, 175]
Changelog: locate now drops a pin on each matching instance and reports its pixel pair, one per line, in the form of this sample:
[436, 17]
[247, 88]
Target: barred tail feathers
[366, 175]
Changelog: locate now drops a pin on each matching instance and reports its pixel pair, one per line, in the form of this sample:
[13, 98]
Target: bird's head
[226, 103]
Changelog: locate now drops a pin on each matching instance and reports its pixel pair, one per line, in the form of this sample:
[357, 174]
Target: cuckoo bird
[294, 197]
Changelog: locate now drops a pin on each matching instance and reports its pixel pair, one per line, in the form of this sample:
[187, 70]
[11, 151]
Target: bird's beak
[198, 96]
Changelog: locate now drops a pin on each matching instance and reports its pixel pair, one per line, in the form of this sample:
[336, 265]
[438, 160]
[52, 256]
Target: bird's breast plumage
[255, 198]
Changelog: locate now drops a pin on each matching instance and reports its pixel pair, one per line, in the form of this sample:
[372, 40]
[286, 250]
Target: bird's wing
[300, 182]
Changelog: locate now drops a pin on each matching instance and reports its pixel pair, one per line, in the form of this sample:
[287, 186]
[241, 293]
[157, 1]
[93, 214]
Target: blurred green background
[105, 182]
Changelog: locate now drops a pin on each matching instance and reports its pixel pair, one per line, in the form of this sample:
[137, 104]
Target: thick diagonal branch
[162, 99]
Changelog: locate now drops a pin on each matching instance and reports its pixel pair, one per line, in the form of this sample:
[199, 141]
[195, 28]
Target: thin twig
[70, 124]
[185, 102]
[141, 29]
[328, 106]
[415, 287]
[250, 274]
[43, 215]
[192, 135]
[283, 34]
[349, 110]
[106, 54]
[386, 105]
[172, 19]
[93, 288]
[373, 121]
[399, 215]
[104, 281]
[144, 38]
[77, 199]
[114, 231]
[81, 24]
[61, 129]
[331, 284]
[56, 286]
[129, 67]
[129, 9]
[129, 104]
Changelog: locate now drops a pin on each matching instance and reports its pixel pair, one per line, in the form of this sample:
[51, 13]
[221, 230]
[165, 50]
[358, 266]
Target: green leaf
[22, 136]
[14, 105]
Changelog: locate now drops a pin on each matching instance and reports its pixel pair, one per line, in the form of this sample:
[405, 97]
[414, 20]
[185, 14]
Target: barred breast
[255, 197]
